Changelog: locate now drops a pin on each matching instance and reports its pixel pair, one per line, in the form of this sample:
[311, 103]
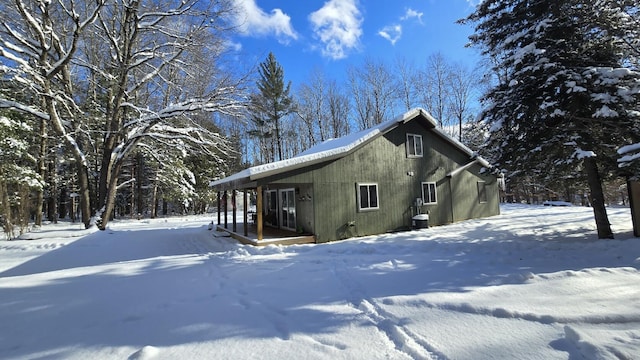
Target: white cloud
[410, 14]
[338, 26]
[232, 45]
[393, 33]
[253, 21]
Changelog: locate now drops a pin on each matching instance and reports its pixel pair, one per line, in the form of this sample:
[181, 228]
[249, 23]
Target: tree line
[565, 95]
[130, 107]
[285, 119]
[560, 103]
[118, 96]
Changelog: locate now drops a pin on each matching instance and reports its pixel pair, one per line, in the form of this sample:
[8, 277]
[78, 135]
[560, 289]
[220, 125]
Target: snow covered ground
[532, 283]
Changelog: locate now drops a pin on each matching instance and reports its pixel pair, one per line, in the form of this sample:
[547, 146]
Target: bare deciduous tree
[323, 108]
[338, 110]
[145, 56]
[434, 87]
[311, 107]
[407, 77]
[42, 39]
[463, 83]
[374, 91]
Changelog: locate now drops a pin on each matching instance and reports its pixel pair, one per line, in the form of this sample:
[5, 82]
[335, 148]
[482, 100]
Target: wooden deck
[270, 236]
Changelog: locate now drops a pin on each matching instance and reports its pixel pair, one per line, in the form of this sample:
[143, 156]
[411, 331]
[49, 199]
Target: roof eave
[250, 177]
[299, 165]
[250, 181]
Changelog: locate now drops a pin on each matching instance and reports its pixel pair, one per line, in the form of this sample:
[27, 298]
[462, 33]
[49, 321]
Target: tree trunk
[105, 173]
[110, 199]
[278, 139]
[42, 170]
[139, 194]
[5, 210]
[83, 193]
[53, 193]
[108, 207]
[597, 199]
[132, 204]
[62, 203]
[154, 200]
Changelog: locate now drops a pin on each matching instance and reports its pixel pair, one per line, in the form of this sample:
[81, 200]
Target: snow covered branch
[9, 104]
[630, 159]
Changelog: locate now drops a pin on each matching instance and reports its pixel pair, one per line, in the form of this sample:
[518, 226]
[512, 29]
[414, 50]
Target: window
[414, 145]
[482, 191]
[367, 196]
[429, 193]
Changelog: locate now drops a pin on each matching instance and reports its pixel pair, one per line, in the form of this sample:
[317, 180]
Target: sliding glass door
[288, 209]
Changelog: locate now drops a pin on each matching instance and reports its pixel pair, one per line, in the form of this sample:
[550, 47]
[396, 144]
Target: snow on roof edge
[336, 148]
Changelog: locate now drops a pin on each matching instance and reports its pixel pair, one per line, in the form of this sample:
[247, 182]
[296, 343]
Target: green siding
[332, 212]
[466, 196]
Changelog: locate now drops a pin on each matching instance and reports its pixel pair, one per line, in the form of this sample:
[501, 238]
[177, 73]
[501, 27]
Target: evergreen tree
[272, 103]
[127, 71]
[17, 175]
[206, 168]
[569, 95]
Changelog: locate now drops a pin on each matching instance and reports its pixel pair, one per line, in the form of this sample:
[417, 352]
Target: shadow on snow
[179, 286]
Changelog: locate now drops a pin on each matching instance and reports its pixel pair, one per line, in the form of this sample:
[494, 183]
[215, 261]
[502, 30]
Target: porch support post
[219, 206]
[259, 212]
[234, 208]
[226, 210]
[245, 204]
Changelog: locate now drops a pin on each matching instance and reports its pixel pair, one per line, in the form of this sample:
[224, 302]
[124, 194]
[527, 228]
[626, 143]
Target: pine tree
[569, 96]
[17, 174]
[272, 103]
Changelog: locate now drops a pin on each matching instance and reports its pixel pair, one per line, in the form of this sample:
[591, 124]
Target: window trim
[359, 198]
[482, 192]
[435, 193]
[415, 147]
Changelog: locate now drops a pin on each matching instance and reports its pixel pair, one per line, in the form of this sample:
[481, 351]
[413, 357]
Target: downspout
[450, 178]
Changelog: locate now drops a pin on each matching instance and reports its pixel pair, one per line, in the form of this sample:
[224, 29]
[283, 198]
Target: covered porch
[270, 236]
[250, 227]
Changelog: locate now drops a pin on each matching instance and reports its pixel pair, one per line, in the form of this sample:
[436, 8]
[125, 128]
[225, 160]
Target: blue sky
[331, 35]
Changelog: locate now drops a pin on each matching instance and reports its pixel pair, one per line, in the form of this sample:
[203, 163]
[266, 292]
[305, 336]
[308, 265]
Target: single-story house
[371, 182]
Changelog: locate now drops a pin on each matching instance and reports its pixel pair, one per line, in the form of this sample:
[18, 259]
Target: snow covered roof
[337, 148]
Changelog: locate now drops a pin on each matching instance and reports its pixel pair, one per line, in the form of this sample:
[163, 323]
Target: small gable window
[414, 145]
[429, 193]
[482, 191]
[367, 196]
